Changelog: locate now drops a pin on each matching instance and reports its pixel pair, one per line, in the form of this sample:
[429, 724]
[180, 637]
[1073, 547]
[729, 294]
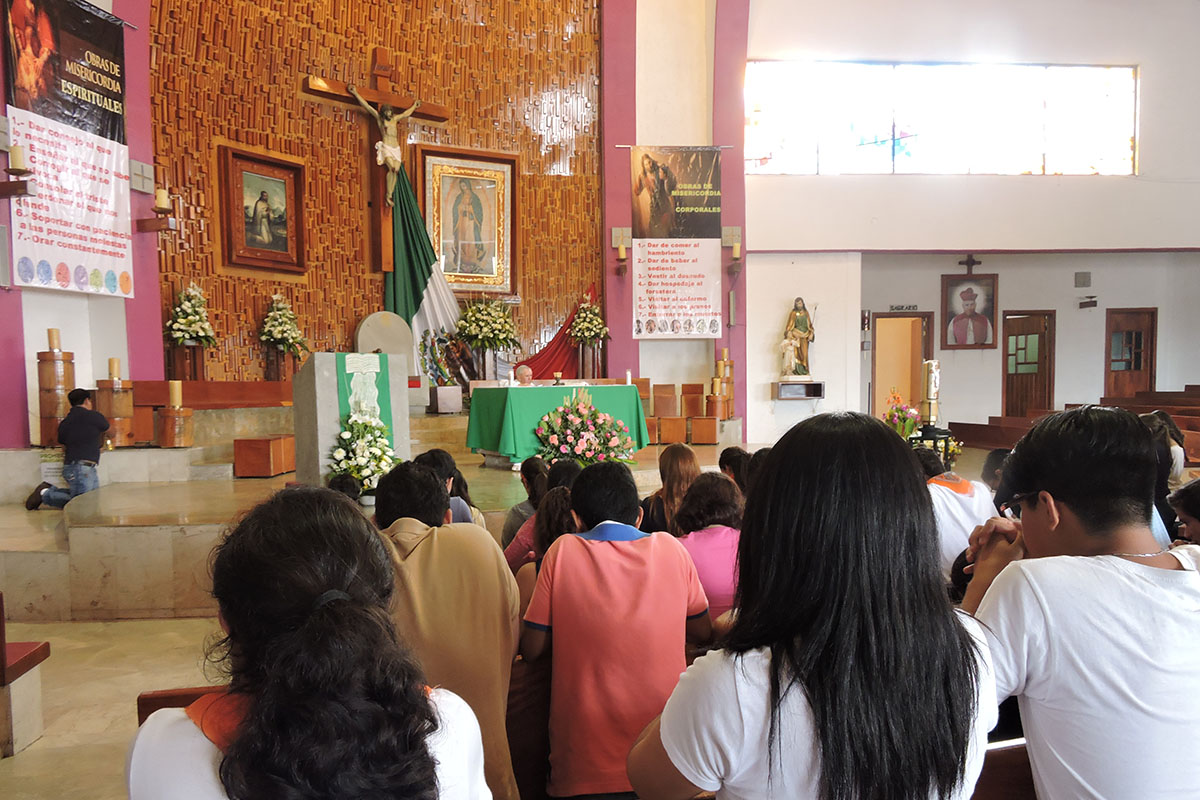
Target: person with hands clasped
[1092, 624]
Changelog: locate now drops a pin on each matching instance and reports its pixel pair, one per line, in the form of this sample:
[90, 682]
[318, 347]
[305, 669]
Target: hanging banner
[676, 242]
[66, 108]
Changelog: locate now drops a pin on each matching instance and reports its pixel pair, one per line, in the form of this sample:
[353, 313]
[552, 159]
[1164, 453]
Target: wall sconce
[17, 169]
[622, 240]
[732, 237]
[163, 221]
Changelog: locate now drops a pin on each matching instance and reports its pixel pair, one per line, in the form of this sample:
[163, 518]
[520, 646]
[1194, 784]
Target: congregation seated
[455, 603]
[533, 478]
[754, 466]
[733, 462]
[613, 608]
[992, 473]
[553, 521]
[1092, 624]
[677, 467]
[1178, 454]
[460, 489]
[321, 684]
[834, 680]
[959, 505]
[442, 464]
[521, 550]
[708, 522]
[1186, 503]
[1164, 466]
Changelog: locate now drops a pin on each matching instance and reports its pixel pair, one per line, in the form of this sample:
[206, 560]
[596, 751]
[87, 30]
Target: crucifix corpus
[385, 137]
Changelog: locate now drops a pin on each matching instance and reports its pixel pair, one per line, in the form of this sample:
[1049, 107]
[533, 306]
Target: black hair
[931, 462]
[993, 462]
[733, 462]
[712, 499]
[411, 490]
[1186, 499]
[754, 466]
[345, 484]
[1172, 428]
[605, 491]
[563, 473]
[77, 397]
[533, 470]
[1099, 461]
[438, 460]
[889, 672]
[553, 519]
[459, 487]
[303, 582]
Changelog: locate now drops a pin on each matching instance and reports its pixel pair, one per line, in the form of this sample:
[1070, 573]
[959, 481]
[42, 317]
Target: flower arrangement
[280, 327]
[588, 326]
[578, 430]
[488, 325]
[189, 319]
[902, 417]
[363, 451]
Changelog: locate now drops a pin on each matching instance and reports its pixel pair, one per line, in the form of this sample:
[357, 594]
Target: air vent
[1083, 280]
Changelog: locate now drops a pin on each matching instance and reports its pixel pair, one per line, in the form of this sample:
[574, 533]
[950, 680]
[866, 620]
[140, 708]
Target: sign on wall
[676, 242]
[66, 107]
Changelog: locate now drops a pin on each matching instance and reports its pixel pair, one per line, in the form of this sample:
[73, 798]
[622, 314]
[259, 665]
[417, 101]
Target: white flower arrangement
[363, 451]
[488, 325]
[280, 327]
[189, 318]
[588, 326]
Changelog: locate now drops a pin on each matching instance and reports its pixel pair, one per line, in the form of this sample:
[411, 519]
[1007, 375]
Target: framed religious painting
[470, 204]
[262, 210]
[968, 312]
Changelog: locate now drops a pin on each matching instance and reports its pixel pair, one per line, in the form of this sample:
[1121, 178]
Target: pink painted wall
[14, 425]
[618, 126]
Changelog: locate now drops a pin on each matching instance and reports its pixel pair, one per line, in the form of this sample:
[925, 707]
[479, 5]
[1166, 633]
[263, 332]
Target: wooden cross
[380, 92]
[970, 262]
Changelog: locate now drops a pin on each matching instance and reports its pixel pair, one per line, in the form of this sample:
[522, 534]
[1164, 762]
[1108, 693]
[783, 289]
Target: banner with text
[676, 242]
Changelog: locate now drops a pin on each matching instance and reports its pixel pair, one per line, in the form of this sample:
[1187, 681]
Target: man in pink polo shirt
[618, 605]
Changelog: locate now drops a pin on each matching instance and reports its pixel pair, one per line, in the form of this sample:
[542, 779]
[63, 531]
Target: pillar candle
[716, 388]
[175, 390]
[16, 157]
[54, 338]
[628, 377]
[737, 250]
[114, 369]
[161, 199]
[620, 252]
[724, 353]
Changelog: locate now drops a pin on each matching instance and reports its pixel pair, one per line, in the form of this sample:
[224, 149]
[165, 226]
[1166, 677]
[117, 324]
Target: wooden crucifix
[379, 93]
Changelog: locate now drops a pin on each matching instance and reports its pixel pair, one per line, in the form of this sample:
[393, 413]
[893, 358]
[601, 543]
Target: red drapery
[559, 355]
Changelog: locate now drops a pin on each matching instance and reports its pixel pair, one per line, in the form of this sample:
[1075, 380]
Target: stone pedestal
[280, 365]
[185, 362]
[445, 399]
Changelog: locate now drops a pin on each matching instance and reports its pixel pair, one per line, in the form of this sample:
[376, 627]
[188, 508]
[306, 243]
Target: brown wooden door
[1028, 362]
[1130, 350]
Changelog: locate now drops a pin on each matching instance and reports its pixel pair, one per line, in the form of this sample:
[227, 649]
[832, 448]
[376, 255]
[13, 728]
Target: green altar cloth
[503, 418]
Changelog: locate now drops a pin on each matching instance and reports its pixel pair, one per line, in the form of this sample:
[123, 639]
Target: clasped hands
[993, 546]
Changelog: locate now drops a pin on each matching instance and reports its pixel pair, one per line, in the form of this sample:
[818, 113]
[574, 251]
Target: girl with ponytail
[324, 701]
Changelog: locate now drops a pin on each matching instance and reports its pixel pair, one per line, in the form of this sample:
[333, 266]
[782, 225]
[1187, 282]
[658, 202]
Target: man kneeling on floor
[1092, 625]
[80, 433]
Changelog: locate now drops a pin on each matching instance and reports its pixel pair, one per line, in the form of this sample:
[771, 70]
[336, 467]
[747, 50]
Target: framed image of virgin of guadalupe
[469, 201]
[968, 312]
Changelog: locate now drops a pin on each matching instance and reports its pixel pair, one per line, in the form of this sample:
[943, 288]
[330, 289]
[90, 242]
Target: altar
[503, 418]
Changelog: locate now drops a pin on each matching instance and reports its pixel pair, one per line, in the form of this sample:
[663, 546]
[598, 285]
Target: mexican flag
[416, 289]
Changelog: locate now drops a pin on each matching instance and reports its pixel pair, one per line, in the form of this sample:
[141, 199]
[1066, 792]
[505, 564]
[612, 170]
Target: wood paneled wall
[519, 77]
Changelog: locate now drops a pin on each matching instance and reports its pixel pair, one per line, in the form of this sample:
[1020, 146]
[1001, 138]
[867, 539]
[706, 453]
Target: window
[835, 118]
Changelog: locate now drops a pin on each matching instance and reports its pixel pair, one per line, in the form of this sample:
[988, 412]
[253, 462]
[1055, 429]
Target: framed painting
[969, 312]
[470, 205]
[262, 210]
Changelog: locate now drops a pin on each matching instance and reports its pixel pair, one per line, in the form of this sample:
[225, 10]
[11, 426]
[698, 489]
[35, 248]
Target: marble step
[211, 471]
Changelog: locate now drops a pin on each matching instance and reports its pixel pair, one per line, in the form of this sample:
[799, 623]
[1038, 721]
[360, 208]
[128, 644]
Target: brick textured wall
[518, 77]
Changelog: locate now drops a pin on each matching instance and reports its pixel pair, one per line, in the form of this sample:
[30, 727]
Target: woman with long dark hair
[324, 701]
[846, 675]
[677, 467]
[533, 478]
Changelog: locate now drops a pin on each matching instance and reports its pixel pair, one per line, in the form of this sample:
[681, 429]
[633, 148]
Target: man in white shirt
[1092, 625]
[959, 506]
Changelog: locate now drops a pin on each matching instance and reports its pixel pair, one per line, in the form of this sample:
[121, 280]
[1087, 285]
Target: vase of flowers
[363, 451]
[903, 418]
[578, 431]
[588, 333]
[285, 342]
[487, 326]
[188, 330]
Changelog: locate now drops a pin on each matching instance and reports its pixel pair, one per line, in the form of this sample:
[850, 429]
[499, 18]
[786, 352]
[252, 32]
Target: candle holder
[163, 219]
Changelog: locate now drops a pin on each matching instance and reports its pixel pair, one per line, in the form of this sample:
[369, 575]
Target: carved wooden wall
[519, 77]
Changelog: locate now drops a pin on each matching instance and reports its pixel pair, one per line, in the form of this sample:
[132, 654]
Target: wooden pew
[21, 721]
[1006, 773]
[149, 702]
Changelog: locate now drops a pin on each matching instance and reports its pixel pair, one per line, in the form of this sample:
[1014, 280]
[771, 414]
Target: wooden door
[900, 341]
[1130, 350]
[1028, 362]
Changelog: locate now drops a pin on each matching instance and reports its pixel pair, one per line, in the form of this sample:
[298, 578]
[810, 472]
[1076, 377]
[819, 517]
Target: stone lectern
[331, 386]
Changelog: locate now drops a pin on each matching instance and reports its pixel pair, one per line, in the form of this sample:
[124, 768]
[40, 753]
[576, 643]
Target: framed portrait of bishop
[968, 312]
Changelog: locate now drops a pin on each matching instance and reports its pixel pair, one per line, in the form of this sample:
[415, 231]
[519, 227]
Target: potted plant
[901, 416]
[487, 326]
[588, 332]
[283, 337]
[580, 432]
[187, 330]
[364, 452]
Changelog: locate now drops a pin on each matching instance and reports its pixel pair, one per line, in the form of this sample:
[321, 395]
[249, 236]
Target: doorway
[1130, 351]
[1028, 362]
[900, 341]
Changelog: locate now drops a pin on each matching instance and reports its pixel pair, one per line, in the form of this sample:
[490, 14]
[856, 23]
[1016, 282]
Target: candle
[724, 353]
[620, 252]
[114, 369]
[175, 390]
[716, 388]
[737, 250]
[55, 340]
[628, 377]
[161, 199]
[16, 157]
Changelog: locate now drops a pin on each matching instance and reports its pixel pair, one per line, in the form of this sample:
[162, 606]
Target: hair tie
[327, 598]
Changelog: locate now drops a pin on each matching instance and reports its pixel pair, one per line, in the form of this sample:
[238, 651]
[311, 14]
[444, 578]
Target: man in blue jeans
[81, 433]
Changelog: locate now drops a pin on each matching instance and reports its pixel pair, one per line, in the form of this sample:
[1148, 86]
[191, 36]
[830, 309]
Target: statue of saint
[388, 152]
[796, 337]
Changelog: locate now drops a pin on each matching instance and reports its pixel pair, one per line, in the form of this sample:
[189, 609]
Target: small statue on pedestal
[797, 335]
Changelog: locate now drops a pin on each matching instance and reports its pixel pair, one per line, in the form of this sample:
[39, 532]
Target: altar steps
[447, 431]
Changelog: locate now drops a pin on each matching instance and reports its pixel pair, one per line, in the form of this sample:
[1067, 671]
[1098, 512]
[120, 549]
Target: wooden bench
[1006, 773]
[20, 691]
[264, 457]
[149, 702]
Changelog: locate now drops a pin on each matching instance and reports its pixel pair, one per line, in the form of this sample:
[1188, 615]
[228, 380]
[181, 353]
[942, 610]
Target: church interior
[289, 167]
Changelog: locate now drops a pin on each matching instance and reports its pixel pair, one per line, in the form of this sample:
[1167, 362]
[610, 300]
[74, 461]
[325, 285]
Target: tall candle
[628, 377]
[620, 252]
[16, 157]
[724, 353]
[161, 199]
[716, 387]
[175, 391]
[114, 369]
[55, 340]
[737, 250]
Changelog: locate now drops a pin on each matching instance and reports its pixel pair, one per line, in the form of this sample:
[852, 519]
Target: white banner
[677, 288]
[75, 234]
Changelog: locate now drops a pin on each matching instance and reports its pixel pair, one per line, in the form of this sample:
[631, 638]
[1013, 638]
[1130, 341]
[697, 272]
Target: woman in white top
[847, 674]
[323, 701]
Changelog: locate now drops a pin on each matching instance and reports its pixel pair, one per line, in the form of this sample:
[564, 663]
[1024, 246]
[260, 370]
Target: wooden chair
[1006, 774]
[21, 722]
[692, 399]
[672, 430]
[704, 430]
[666, 400]
[643, 387]
[652, 430]
[149, 702]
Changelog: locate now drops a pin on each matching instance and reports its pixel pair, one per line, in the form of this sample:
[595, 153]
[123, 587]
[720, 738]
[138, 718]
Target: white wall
[1155, 209]
[972, 381]
[831, 284]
